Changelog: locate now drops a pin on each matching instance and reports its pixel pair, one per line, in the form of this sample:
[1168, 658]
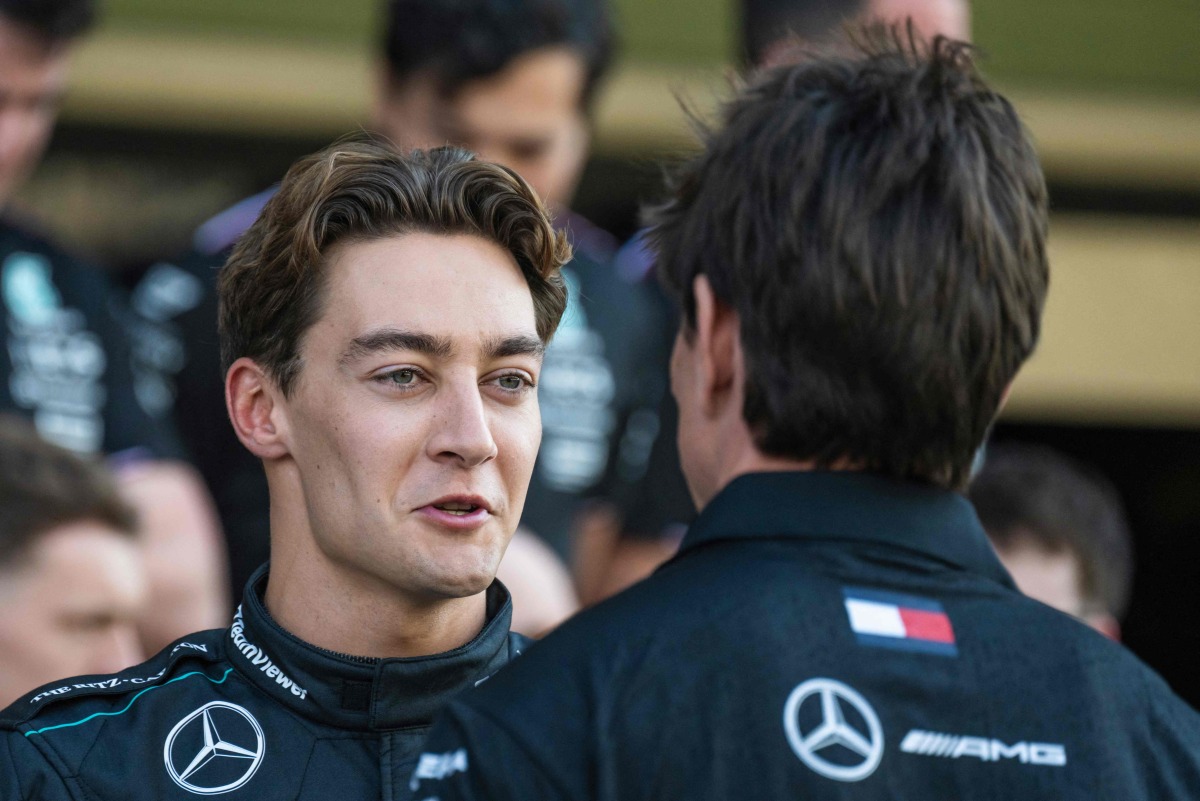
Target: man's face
[69, 608]
[528, 117]
[1051, 577]
[413, 424]
[1055, 577]
[33, 77]
[950, 18]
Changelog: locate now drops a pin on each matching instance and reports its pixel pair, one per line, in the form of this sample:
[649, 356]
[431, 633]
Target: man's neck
[348, 613]
[748, 459]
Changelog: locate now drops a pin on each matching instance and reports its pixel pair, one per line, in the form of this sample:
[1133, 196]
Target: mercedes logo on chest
[838, 746]
[215, 749]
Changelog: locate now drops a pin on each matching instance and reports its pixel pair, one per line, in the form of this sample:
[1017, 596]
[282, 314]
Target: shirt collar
[361, 693]
[850, 507]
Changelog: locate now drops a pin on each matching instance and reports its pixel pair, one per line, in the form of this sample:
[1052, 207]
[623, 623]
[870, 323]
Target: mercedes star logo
[829, 744]
[215, 749]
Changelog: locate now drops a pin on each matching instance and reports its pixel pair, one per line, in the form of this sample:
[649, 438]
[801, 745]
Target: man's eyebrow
[518, 345]
[395, 339]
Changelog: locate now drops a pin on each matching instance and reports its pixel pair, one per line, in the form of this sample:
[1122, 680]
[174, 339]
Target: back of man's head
[877, 222]
[459, 41]
[1037, 502]
[55, 21]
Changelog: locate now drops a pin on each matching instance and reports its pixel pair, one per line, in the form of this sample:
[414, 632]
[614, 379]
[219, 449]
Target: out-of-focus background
[178, 109]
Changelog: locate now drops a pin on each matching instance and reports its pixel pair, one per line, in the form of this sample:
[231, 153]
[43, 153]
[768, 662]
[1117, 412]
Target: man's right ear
[253, 401]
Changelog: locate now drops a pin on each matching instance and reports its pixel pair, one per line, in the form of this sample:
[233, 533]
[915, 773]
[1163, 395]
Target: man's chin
[462, 580]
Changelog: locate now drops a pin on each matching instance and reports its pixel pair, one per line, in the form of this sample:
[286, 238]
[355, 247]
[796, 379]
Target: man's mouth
[455, 508]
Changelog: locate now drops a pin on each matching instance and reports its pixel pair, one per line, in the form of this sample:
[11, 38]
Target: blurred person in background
[513, 82]
[383, 324]
[836, 624]
[617, 551]
[776, 32]
[1059, 528]
[72, 582]
[66, 364]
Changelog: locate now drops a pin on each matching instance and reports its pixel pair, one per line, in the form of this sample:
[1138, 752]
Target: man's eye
[405, 378]
[511, 382]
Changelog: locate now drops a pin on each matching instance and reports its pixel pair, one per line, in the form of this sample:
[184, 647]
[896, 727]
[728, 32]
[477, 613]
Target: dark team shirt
[821, 635]
[602, 381]
[66, 363]
[248, 712]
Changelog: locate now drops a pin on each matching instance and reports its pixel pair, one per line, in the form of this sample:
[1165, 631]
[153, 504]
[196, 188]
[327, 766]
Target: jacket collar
[361, 693]
[850, 507]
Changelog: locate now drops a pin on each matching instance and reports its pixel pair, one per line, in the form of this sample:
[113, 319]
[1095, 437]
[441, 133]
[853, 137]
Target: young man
[860, 256]
[1059, 528]
[513, 82]
[72, 583]
[383, 324]
[65, 363]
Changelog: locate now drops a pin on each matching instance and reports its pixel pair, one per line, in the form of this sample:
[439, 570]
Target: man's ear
[258, 417]
[717, 345]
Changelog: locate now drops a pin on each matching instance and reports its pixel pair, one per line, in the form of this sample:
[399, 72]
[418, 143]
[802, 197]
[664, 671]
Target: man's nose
[462, 434]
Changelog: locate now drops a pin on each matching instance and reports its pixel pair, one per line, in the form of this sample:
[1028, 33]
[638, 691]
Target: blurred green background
[1094, 45]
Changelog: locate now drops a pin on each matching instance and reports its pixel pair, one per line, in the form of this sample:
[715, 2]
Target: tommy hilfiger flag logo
[900, 622]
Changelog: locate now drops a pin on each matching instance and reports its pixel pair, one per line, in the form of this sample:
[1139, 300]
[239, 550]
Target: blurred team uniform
[864, 624]
[600, 389]
[248, 707]
[67, 361]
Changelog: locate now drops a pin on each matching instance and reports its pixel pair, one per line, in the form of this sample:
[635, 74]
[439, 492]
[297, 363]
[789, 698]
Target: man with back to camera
[514, 82]
[773, 33]
[65, 363]
[383, 324]
[860, 256]
[1059, 528]
[72, 583]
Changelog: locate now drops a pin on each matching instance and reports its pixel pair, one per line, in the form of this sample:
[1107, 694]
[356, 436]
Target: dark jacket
[66, 360]
[247, 712]
[821, 635]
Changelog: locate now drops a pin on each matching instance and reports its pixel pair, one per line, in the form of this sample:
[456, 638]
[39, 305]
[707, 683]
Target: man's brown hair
[271, 288]
[44, 486]
[878, 222]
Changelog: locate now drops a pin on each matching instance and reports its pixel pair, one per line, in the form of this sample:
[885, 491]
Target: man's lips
[457, 511]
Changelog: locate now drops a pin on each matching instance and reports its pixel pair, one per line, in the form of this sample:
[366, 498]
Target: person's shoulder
[219, 233]
[67, 702]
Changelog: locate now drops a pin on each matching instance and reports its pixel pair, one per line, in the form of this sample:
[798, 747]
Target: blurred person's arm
[183, 550]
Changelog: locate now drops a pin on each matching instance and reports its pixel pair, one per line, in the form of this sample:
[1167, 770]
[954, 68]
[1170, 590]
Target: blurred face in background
[950, 18]
[33, 77]
[1055, 577]
[69, 606]
[528, 117]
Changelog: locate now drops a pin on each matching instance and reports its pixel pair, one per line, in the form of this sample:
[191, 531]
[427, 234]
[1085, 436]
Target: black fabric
[299, 722]
[736, 672]
[67, 362]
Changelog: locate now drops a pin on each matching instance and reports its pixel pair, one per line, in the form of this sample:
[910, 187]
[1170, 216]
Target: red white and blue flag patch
[900, 622]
